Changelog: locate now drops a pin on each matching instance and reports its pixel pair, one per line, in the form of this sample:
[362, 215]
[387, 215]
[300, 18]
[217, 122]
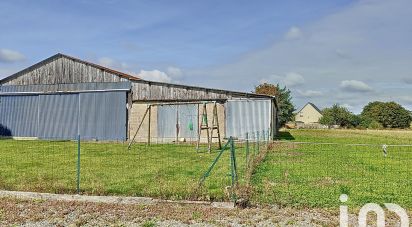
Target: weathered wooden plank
[62, 71]
[144, 91]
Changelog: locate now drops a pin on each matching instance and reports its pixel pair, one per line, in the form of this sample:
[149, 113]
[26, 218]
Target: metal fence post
[233, 168]
[258, 141]
[247, 151]
[214, 163]
[78, 164]
[254, 144]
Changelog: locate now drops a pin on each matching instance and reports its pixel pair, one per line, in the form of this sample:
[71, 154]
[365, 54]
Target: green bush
[375, 125]
[339, 115]
[388, 114]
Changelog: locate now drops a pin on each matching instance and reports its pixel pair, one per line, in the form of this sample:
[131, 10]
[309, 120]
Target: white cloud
[406, 99]
[155, 75]
[174, 72]
[293, 33]
[407, 80]
[342, 54]
[347, 106]
[105, 61]
[355, 86]
[364, 40]
[112, 63]
[11, 56]
[310, 93]
[170, 75]
[293, 79]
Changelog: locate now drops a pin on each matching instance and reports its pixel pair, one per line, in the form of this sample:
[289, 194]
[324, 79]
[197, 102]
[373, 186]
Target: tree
[338, 115]
[283, 97]
[370, 114]
[387, 114]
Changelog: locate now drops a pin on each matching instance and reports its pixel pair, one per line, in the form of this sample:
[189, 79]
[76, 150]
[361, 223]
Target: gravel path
[54, 212]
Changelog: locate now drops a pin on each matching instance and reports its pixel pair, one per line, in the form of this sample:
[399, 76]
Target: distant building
[309, 114]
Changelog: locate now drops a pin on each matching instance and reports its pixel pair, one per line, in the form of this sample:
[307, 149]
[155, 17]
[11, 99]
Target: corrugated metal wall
[18, 115]
[182, 116]
[188, 121]
[93, 115]
[103, 116]
[247, 116]
[166, 121]
[58, 116]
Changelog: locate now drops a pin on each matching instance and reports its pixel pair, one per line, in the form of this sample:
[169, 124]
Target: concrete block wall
[137, 113]
[138, 110]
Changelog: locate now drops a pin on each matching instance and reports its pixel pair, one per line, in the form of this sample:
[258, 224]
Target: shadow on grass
[285, 136]
[4, 131]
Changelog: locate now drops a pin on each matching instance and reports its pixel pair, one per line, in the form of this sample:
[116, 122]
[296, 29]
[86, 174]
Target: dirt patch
[23, 212]
[63, 213]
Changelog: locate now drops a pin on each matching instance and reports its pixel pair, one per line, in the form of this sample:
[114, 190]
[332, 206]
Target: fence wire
[162, 170]
[316, 174]
[286, 173]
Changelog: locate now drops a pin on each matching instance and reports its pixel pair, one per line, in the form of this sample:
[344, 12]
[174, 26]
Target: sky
[342, 51]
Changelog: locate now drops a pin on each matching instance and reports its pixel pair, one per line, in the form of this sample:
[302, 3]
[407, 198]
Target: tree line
[374, 115]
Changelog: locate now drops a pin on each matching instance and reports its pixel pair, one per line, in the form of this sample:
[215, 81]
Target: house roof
[313, 105]
[59, 55]
[129, 77]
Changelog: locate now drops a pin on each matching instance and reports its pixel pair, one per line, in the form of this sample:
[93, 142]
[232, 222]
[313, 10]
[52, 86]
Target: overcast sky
[346, 52]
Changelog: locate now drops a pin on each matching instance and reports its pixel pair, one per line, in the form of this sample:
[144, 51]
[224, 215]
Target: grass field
[349, 136]
[295, 174]
[162, 171]
[315, 175]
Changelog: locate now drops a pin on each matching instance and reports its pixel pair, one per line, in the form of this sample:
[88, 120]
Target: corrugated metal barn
[62, 97]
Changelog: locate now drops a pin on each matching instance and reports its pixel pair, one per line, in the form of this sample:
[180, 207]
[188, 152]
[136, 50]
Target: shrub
[375, 125]
[388, 114]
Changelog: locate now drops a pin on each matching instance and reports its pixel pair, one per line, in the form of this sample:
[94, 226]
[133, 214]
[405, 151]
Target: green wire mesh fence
[288, 172]
[162, 170]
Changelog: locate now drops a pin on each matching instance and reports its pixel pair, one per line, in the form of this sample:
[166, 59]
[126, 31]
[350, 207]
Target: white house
[309, 114]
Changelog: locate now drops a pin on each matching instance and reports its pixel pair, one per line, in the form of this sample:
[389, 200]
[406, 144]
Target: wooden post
[138, 128]
[204, 125]
[215, 126]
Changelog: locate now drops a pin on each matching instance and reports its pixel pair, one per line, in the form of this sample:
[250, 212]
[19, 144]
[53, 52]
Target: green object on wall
[191, 125]
[204, 118]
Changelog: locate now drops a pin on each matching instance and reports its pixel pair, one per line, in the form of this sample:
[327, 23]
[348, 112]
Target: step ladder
[204, 126]
[215, 126]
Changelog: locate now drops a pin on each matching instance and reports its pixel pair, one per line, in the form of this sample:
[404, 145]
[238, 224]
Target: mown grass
[292, 174]
[164, 171]
[353, 136]
[315, 175]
